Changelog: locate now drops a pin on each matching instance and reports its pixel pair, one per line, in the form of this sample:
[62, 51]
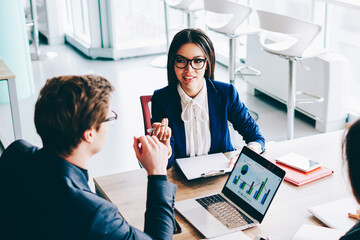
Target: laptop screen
[253, 183]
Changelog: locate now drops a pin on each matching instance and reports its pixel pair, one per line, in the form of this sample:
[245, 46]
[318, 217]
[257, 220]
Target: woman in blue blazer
[191, 114]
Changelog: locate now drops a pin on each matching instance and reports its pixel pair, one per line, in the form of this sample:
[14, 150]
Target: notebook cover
[300, 178]
[335, 214]
[311, 232]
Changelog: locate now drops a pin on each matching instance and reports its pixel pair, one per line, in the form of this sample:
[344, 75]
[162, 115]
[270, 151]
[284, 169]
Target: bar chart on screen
[254, 183]
[251, 186]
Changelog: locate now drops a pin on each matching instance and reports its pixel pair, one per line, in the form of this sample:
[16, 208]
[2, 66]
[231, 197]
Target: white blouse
[195, 114]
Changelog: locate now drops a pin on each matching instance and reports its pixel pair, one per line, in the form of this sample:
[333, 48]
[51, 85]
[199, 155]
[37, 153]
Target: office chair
[145, 101]
[227, 18]
[289, 38]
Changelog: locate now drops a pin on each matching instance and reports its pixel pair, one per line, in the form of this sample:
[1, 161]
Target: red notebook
[300, 178]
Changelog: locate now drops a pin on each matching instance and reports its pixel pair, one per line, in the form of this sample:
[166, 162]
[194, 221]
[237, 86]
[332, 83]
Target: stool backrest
[180, 4]
[286, 35]
[234, 15]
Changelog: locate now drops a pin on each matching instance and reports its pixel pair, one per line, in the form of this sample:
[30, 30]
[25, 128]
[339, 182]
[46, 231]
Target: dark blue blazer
[224, 105]
[353, 233]
[45, 197]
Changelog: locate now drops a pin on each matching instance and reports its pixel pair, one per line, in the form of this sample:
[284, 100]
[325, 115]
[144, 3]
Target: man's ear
[88, 135]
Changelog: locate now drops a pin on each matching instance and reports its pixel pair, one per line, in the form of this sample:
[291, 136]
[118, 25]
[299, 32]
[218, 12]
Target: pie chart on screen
[244, 169]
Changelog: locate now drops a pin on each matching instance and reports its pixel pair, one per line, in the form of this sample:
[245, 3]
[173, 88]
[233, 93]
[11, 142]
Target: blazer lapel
[174, 108]
[214, 101]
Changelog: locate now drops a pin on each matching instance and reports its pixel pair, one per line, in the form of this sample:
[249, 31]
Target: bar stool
[226, 17]
[189, 7]
[289, 38]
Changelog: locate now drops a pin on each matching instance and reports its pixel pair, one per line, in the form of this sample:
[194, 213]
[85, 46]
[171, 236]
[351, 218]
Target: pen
[213, 173]
[150, 130]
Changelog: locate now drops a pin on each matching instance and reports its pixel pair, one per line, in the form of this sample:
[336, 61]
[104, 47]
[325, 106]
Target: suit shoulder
[223, 88]
[162, 94]
[18, 148]
[17, 163]
[162, 91]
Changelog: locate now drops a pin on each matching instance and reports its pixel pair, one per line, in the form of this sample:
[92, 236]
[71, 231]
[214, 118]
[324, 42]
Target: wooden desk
[7, 75]
[287, 212]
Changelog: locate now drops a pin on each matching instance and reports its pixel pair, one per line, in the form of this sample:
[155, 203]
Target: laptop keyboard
[227, 214]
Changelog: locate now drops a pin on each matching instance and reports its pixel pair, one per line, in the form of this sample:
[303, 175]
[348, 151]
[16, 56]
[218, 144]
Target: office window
[68, 23]
[136, 27]
[116, 29]
[296, 8]
[344, 37]
[138, 23]
[77, 19]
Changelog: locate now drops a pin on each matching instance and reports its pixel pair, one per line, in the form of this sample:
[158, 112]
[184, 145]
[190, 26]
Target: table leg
[14, 106]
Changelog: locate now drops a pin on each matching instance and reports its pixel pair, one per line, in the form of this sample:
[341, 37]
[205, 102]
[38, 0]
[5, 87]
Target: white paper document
[233, 236]
[313, 232]
[204, 166]
[335, 214]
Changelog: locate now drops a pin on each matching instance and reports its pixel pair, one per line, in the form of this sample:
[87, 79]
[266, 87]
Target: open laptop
[243, 201]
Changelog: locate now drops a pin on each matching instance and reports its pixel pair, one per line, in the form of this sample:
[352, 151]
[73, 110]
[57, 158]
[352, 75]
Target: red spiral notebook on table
[300, 178]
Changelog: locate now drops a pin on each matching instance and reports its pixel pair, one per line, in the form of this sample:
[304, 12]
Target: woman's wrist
[255, 146]
[169, 152]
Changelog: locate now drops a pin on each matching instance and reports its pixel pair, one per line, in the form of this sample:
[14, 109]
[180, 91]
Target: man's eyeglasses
[196, 63]
[112, 118]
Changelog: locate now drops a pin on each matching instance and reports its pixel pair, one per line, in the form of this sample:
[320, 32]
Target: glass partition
[116, 29]
[344, 37]
[137, 23]
[126, 28]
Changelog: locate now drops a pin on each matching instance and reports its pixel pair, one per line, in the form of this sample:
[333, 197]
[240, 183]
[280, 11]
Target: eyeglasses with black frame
[196, 63]
[112, 118]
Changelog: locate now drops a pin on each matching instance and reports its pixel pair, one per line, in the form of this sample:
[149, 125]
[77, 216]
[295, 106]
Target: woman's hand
[234, 158]
[163, 132]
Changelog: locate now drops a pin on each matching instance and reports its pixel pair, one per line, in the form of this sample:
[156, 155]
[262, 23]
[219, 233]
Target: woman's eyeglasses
[112, 118]
[196, 63]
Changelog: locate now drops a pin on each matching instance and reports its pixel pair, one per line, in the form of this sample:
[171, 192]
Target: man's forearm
[159, 215]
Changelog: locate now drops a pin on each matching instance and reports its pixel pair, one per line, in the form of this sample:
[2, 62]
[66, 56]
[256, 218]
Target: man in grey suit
[45, 194]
